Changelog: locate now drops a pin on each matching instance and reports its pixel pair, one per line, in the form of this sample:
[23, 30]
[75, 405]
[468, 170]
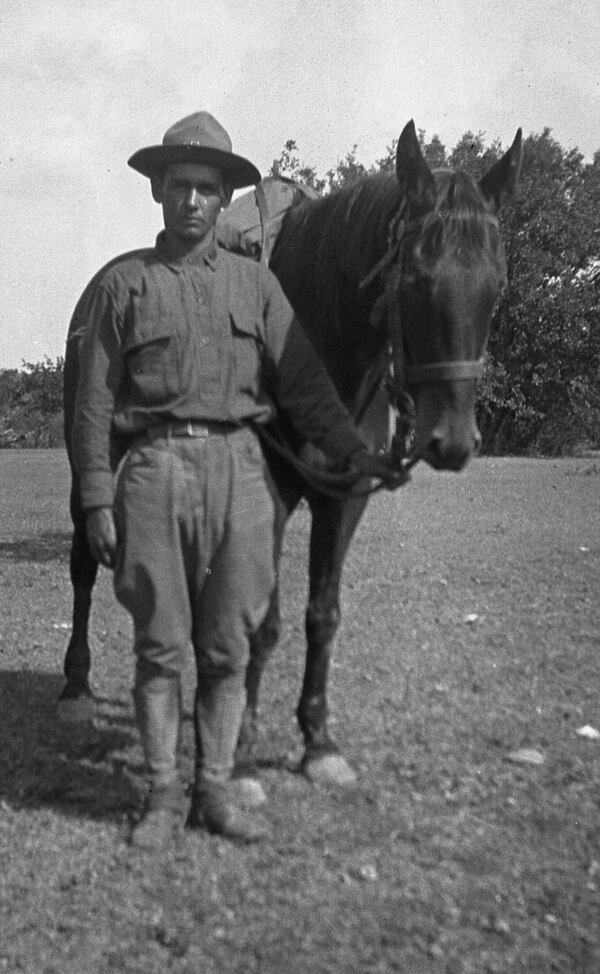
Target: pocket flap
[246, 324]
[140, 337]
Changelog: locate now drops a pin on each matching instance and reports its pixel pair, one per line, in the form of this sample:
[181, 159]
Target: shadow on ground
[44, 547]
[79, 771]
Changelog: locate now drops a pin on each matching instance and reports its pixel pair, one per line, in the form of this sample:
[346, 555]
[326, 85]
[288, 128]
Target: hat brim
[238, 171]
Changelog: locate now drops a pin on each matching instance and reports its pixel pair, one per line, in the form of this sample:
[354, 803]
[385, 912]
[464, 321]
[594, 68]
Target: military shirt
[204, 338]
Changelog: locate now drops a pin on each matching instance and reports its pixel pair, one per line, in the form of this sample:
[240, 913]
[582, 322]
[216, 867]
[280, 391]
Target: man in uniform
[186, 348]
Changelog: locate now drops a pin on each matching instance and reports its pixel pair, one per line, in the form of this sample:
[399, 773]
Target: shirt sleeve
[300, 383]
[101, 372]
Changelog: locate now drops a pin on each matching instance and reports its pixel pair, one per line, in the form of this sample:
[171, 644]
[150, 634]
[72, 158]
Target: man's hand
[369, 465]
[102, 535]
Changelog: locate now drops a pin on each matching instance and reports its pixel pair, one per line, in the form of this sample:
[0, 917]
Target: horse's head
[453, 270]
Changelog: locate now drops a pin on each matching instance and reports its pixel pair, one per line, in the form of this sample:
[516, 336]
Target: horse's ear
[414, 175]
[500, 182]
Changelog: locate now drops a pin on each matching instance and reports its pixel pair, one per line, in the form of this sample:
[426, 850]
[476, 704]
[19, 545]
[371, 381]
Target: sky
[85, 83]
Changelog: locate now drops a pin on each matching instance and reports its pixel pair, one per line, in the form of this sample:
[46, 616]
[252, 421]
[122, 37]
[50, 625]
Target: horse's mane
[325, 249]
[328, 246]
[343, 232]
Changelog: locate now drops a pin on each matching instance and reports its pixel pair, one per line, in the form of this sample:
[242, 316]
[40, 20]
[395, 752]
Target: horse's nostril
[435, 447]
[444, 455]
[434, 452]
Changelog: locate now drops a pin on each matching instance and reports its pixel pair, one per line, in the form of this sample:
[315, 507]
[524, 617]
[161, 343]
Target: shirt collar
[177, 258]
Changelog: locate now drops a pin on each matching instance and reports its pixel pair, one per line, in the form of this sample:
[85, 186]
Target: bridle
[394, 372]
[402, 375]
[391, 268]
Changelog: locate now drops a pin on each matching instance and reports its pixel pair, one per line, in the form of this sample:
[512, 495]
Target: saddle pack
[250, 224]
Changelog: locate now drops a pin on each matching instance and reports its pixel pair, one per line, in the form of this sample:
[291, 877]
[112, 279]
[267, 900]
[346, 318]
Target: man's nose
[194, 199]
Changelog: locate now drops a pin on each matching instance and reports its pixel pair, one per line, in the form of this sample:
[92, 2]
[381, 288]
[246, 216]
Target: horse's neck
[366, 212]
[325, 251]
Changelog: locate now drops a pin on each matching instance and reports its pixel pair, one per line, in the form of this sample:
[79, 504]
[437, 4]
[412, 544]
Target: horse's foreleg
[76, 701]
[332, 529]
[262, 644]
[246, 782]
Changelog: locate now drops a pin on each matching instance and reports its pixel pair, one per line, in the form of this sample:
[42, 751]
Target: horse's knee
[322, 623]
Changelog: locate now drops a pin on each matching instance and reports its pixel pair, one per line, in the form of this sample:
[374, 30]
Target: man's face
[191, 195]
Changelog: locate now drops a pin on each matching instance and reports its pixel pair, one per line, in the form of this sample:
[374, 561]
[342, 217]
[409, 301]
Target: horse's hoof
[329, 769]
[246, 792]
[76, 710]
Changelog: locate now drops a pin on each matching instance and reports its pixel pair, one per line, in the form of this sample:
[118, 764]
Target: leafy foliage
[289, 166]
[541, 391]
[346, 170]
[31, 404]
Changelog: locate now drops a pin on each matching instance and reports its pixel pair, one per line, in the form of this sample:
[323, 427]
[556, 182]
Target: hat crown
[197, 138]
[200, 129]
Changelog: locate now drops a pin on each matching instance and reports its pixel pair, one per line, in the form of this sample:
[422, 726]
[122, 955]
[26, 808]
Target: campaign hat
[197, 138]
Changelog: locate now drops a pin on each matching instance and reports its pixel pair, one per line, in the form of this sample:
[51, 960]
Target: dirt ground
[465, 669]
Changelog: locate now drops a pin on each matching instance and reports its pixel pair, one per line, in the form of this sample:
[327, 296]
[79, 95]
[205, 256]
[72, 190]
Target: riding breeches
[195, 554]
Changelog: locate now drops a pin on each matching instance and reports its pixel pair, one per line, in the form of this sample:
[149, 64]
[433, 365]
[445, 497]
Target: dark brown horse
[395, 280]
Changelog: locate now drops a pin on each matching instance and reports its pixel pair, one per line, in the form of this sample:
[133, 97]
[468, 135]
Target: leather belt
[191, 429]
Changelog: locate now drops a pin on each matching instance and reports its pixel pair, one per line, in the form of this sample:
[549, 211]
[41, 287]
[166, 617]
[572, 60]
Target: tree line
[540, 393]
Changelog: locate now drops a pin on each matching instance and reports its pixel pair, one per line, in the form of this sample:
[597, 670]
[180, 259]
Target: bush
[31, 405]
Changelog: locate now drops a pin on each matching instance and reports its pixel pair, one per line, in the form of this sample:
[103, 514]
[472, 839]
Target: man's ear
[156, 182]
[226, 195]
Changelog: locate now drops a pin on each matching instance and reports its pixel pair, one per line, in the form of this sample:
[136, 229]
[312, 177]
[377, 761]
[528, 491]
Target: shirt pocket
[152, 362]
[248, 343]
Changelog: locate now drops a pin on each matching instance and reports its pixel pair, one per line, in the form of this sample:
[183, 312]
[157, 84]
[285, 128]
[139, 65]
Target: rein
[338, 486]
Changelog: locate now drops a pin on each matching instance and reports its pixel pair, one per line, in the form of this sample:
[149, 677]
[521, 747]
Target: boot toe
[214, 810]
[161, 818]
[155, 830]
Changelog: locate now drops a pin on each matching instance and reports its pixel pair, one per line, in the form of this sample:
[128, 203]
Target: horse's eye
[409, 280]
[415, 285]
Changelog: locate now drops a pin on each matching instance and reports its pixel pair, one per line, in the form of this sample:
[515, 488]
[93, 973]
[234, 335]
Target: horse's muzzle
[451, 452]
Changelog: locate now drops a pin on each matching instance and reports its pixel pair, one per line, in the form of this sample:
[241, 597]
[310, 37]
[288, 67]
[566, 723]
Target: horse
[395, 279]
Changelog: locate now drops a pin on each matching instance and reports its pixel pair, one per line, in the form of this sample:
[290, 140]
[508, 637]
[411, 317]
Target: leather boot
[214, 809]
[157, 701]
[218, 713]
[161, 818]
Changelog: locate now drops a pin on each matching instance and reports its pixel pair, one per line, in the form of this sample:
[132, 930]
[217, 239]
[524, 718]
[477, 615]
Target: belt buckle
[197, 431]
